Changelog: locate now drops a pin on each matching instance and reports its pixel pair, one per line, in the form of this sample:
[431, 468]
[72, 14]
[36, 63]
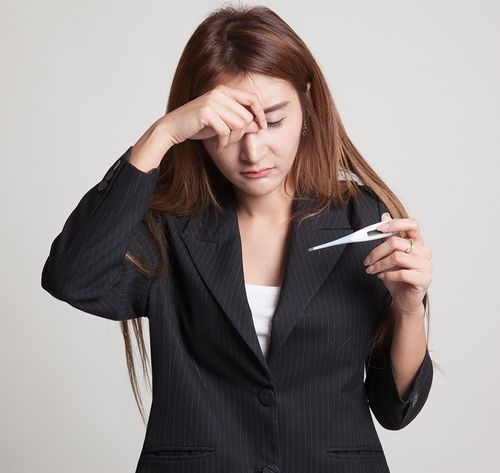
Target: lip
[260, 173]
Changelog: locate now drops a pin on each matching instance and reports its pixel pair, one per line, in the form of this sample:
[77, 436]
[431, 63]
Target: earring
[304, 128]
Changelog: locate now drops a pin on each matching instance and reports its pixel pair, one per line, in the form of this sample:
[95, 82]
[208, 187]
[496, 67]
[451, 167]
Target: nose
[252, 147]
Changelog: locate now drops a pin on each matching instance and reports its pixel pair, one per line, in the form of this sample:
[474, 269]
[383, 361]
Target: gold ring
[410, 248]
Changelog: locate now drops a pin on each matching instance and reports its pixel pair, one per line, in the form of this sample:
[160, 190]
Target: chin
[256, 192]
[256, 188]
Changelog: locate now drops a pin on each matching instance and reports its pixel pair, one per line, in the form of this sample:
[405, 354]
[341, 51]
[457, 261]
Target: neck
[274, 207]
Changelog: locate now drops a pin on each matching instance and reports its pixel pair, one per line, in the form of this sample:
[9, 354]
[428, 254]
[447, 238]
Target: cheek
[223, 163]
[290, 136]
[291, 132]
[289, 143]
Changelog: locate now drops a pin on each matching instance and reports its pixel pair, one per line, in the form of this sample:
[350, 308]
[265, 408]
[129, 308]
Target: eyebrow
[276, 106]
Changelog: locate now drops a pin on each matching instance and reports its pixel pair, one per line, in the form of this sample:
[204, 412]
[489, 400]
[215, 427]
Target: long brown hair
[232, 42]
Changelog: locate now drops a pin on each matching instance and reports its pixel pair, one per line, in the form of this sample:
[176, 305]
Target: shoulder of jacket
[366, 191]
[345, 175]
[366, 206]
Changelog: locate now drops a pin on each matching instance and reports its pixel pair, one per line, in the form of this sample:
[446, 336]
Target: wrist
[161, 128]
[417, 313]
[150, 149]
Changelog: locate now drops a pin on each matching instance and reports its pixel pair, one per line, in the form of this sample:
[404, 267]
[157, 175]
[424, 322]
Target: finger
[385, 217]
[390, 245]
[237, 124]
[409, 225]
[251, 100]
[415, 278]
[229, 102]
[220, 127]
[400, 260]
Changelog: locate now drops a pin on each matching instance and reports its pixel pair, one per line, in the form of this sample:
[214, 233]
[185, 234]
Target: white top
[262, 301]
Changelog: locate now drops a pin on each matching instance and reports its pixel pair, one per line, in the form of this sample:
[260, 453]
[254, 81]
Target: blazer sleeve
[86, 266]
[392, 411]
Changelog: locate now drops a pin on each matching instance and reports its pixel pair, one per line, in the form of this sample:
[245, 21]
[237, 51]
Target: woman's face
[274, 147]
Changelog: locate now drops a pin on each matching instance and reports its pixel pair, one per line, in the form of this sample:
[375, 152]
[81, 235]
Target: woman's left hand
[406, 275]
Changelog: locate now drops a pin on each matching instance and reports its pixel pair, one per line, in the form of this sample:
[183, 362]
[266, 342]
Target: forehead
[270, 90]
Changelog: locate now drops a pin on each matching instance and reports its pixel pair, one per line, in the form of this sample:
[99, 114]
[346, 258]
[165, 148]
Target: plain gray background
[416, 84]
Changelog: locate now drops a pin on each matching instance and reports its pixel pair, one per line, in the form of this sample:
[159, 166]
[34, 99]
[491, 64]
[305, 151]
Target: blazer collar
[214, 244]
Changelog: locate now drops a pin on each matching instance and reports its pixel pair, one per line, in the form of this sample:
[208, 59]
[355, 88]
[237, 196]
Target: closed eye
[275, 124]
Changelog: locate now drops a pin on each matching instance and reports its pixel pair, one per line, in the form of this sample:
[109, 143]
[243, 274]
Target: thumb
[386, 216]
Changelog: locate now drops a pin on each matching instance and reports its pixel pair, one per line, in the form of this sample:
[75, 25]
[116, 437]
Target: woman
[258, 346]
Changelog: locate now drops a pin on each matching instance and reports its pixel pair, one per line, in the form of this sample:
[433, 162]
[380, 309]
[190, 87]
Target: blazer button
[266, 396]
[102, 185]
[271, 469]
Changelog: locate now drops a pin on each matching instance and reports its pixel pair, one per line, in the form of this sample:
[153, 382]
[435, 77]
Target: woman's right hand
[220, 111]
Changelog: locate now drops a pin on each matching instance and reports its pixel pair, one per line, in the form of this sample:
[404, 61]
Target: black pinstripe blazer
[219, 405]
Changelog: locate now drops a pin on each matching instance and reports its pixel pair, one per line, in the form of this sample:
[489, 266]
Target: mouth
[257, 171]
[261, 173]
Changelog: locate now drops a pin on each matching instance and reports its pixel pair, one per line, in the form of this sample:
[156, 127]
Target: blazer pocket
[355, 453]
[177, 453]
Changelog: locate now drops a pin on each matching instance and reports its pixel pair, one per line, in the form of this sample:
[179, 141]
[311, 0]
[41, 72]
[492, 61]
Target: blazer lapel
[214, 244]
